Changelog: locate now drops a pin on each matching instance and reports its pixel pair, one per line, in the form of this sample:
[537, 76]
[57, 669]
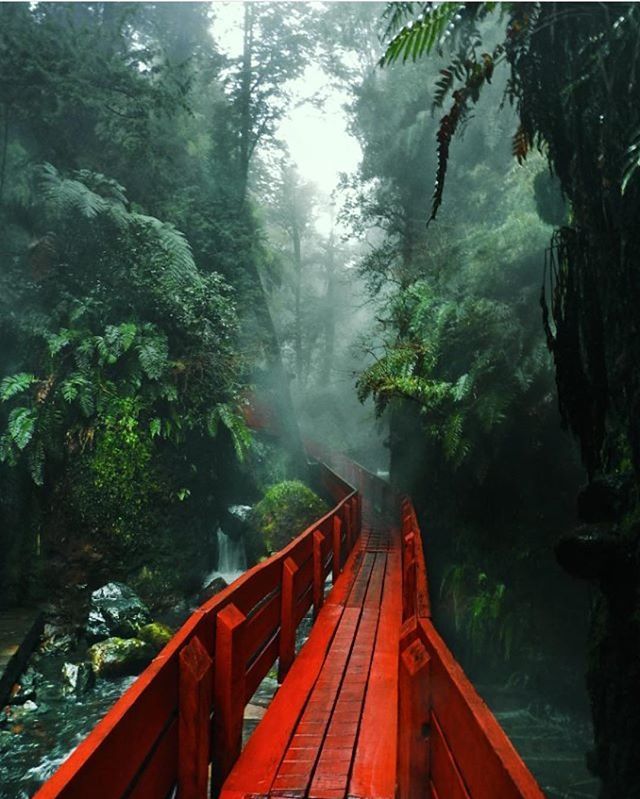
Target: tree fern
[66, 197]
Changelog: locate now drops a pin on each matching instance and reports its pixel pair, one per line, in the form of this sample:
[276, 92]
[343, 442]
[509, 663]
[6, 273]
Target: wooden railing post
[414, 712]
[287, 618]
[229, 692]
[409, 577]
[345, 518]
[336, 542]
[318, 573]
[194, 727]
[353, 519]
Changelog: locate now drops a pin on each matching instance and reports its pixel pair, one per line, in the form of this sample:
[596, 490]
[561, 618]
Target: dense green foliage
[286, 510]
[571, 77]
[461, 371]
[132, 313]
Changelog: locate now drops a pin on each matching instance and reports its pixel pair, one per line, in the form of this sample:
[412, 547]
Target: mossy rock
[116, 657]
[156, 635]
[286, 509]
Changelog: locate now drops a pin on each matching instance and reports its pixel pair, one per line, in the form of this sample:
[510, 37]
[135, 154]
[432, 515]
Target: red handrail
[186, 709]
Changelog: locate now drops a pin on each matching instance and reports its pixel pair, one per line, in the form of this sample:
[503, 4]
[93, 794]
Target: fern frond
[520, 145]
[395, 14]
[67, 197]
[235, 424]
[22, 423]
[16, 384]
[153, 354]
[36, 463]
[419, 36]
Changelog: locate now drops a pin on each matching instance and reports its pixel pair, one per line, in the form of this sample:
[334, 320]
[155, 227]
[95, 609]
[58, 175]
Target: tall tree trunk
[245, 99]
[5, 147]
[329, 316]
[279, 380]
[297, 260]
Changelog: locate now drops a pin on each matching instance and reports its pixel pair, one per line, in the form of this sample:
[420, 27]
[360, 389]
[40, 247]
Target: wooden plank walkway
[330, 731]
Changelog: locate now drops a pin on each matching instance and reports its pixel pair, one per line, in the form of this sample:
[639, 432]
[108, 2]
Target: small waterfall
[232, 558]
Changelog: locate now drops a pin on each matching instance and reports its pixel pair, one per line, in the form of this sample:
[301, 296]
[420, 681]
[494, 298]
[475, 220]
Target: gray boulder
[78, 678]
[116, 611]
[212, 588]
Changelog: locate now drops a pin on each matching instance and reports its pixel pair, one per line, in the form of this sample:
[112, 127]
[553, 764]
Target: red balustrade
[186, 709]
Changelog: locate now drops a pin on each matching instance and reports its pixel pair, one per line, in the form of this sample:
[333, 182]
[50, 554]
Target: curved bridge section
[374, 704]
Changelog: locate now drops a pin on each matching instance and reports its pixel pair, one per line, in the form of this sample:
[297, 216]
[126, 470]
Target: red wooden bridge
[373, 706]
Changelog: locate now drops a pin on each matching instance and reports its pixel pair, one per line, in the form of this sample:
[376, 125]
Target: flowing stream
[35, 739]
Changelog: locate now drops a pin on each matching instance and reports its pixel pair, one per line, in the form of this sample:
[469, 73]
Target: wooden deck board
[307, 743]
[374, 765]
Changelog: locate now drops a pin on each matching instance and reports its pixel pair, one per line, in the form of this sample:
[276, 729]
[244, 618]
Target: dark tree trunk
[329, 318]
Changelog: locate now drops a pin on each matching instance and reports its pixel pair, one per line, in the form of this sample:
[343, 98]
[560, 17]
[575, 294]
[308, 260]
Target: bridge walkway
[330, 731]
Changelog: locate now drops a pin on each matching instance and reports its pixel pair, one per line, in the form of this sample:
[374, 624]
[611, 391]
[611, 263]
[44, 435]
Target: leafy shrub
[286, 509]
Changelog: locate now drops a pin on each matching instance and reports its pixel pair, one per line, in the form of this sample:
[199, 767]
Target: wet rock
[29, 706]
[116, 657]
[78, 678]
[236, 521]
[116, 611]
[56, 639]
[240, 512]
[211, 589]
[6, 741]
[157, 635]
[21, 693]
[25, 688]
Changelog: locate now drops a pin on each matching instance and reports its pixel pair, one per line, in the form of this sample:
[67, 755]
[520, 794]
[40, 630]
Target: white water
[232, 559]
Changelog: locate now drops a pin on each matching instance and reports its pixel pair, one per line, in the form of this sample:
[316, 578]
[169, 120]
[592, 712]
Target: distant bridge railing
[449, 742]
[186, 710]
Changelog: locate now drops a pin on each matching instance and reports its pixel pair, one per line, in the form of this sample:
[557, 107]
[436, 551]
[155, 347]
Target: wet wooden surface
[312, 741]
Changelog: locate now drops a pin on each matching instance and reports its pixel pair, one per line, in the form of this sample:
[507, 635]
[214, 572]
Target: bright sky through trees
[317, 137]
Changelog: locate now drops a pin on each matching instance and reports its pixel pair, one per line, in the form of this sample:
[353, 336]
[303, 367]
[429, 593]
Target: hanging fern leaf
[153, 354]
[448, 126]
[395, 15]
[57, 341]
[36, 463]
[22, 423]
[520, 145]
[444, 85]
[16, 384]
[419, 37]
[235, 424]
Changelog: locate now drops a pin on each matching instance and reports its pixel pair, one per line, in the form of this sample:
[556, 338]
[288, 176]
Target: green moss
[119, 656]
[286, 509]
[155, 634]
[116, 487]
